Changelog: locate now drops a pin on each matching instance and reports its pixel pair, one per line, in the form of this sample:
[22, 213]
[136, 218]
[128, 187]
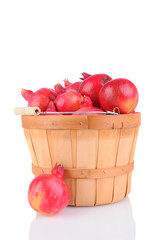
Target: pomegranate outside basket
[96, 151]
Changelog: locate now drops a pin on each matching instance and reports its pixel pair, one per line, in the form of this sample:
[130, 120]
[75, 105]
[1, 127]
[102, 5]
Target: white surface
[42, 42]
[104, 222]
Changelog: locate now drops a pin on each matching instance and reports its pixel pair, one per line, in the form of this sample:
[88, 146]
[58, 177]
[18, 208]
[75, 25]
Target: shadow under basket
[96, 151]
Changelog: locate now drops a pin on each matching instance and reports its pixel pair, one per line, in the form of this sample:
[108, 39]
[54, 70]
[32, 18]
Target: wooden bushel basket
[96, 151]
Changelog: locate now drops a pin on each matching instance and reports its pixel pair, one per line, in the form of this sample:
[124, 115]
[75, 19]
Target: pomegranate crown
[58, 171]
[67, 82]
[59, 88]
[85, 75]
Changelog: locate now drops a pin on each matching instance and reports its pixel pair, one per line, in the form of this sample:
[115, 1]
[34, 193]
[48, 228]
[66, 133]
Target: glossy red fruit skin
[48, 193]
[85, 76]
[47, 92]
[92, 85]
[26, 93]
[41, 98]
[86, 102]
[74, 86]
[120, 93]
[59, 89]
[50, 108]
[88, 109]
[68, 101]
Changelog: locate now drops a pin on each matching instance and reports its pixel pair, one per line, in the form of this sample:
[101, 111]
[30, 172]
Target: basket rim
[81, 121]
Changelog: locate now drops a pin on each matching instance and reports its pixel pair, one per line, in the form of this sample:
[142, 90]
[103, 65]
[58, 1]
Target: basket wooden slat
[108, 145]
[40, 143]
[123, 155]
[85, 147]
[66, 122]
[74, 161]
[129, 177]
[30, 146]
[87, 142]
[61, 152]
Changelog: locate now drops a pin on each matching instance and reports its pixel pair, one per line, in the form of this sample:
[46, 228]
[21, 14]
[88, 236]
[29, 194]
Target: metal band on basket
[82, 173]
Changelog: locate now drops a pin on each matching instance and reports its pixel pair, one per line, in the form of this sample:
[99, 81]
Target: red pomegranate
[59, 89]
[92, 85]
[41, 98]
[68, 102]
[50, 108]
[48, 193]
[86, 101]
[120, 93]
[74, 86]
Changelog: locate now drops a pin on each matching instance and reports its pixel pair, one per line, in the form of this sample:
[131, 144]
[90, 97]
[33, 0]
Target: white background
[41, 43]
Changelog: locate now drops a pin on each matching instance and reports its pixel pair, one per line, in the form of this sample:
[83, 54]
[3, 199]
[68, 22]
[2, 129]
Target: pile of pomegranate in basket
[93, 93]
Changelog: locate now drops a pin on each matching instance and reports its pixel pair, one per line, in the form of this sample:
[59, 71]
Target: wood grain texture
[74, 165]
[123, 155]
[114, 121]
[81, 121]
[108, 145]
[88, 142]
[83, 173]
[129, 176]
[87, 152]
[30, 146]
[60, 122]
[27, 111]
[60, 145]
[39, 139]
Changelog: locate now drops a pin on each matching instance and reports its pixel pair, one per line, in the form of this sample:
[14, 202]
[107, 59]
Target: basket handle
[33, 111]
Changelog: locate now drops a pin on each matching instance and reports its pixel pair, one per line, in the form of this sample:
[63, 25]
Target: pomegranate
[59, 89]
[92, 85]
[120, 93]
[85, 76]
[48, 193]
[74, 86]
[49, 92]
[50, 108]
[26, 93]
[68, 102]
[89, 109]
[41, 98]
[86, 101]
